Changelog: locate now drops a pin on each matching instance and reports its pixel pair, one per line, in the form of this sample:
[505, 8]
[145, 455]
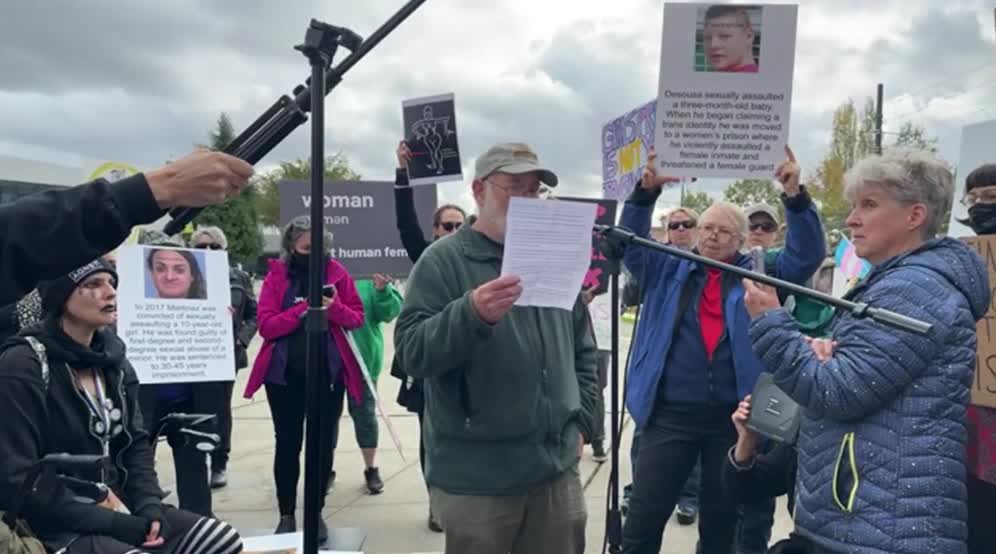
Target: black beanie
[55, 293]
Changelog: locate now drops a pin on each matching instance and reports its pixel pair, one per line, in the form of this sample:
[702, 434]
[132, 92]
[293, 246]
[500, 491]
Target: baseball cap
[761, 209]
[514, 158]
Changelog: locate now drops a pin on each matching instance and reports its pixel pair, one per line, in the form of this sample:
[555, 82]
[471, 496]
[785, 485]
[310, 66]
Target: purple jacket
[276, 323]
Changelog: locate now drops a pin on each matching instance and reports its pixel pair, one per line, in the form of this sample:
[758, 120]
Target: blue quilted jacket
[882, 443]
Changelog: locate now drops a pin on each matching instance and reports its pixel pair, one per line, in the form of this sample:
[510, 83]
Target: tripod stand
[287, 114]
[613, 252]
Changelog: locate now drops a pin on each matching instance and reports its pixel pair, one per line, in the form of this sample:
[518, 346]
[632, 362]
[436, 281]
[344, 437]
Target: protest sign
[431, 135]
[173, 314]
[626, 142]
[598, 272]
[976, 150]
[984, 383]
[725, 89]
[361, 217]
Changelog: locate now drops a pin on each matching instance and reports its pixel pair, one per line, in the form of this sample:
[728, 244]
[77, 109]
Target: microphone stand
[613, 251]
[287, 113]
[624, 236]
[320, 44]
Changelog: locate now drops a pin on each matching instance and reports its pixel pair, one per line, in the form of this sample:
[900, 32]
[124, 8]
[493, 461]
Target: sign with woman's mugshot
[725, 89]
[173, 314]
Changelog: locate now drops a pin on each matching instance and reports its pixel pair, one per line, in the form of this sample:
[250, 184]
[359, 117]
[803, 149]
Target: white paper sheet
[548, 245]
[288, 543]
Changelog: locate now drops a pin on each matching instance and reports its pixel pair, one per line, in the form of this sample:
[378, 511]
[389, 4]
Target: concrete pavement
[396, 519]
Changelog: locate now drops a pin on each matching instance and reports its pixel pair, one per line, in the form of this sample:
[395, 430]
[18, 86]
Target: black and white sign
[361, 217]
[431, 135]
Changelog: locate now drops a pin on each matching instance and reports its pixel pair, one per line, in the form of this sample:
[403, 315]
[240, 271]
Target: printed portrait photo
[728, 39]
[172, 273]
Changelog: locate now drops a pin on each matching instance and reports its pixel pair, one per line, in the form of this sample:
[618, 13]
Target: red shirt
[711, 311]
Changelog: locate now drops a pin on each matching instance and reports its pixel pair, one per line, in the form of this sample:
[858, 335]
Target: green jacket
[379, 307]
[812, 316]
[504, 404]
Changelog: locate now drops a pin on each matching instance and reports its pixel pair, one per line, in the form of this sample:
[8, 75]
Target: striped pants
[188, 534]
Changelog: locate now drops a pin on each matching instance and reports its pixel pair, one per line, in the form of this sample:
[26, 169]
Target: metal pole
[878, 119]
[317, 376]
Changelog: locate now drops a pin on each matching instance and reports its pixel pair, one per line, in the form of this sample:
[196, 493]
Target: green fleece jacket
[379, 307]
[505, 404]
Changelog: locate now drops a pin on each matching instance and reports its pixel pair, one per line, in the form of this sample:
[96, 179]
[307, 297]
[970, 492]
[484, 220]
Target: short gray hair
[735, 213]
[214, 234]
[909, 176]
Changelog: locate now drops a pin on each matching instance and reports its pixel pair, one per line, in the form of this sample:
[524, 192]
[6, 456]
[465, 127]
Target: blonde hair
[689, 213]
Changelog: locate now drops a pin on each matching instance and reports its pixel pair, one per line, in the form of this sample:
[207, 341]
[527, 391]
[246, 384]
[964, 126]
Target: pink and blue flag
[848, 261]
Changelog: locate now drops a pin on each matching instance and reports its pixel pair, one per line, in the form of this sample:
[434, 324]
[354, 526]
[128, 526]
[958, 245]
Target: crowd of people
[889, 456]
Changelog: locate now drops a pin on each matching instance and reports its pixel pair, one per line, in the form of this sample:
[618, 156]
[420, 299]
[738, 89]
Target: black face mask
[299, 262]
[982, 219]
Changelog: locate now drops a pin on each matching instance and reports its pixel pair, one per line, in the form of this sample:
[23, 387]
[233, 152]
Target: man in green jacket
[381, 304]
[510, 391]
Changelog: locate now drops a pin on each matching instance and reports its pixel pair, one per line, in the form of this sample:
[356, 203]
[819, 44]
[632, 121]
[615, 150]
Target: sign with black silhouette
[360, 215]
[598, 272]
[431, 135]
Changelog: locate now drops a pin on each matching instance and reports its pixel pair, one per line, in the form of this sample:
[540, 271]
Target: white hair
[910, 177]
[734, 213]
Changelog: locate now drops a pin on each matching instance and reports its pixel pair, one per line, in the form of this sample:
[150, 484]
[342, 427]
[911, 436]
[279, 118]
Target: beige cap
[514, 158]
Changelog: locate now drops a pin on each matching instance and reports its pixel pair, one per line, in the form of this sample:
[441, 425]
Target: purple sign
[626, 142]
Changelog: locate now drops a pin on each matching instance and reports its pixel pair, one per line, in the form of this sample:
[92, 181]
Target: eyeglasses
[984, 195]
[766, 226]
[686, 224]
[450, 225]
[208, 246]
[523, 191]
[708, 230]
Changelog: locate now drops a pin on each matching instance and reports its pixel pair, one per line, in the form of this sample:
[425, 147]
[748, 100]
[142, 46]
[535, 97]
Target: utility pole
[878, 120]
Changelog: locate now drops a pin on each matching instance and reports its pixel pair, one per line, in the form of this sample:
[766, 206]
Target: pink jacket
[346, 312]
[982, 443]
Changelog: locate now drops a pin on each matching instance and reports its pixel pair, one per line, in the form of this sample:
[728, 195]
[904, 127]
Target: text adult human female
[882, 442]
[281, 363]
[66, 386]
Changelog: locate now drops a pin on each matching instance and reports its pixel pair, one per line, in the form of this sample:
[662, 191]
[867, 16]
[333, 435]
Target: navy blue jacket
[882, 441]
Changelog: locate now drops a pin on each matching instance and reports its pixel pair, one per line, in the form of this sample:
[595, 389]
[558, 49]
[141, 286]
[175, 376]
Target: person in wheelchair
[66, 387]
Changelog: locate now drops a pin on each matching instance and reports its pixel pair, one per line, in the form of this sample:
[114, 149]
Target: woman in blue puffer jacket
[882, 445]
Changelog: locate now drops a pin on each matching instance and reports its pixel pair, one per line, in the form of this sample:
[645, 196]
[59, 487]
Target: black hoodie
[39, 419]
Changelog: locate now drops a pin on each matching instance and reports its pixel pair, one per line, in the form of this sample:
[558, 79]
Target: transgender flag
[848, 261]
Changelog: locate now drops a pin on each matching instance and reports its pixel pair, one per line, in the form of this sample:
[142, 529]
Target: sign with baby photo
[725, 89]
[174, 314]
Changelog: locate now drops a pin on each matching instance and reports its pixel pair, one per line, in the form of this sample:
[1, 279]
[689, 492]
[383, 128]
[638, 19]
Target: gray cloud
[142, 82]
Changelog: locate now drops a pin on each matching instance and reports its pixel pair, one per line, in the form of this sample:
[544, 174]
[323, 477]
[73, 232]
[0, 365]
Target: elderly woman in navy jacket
[882, 441]
[692, 359]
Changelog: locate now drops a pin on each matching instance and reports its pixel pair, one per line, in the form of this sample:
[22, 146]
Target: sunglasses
[451, 225]
[686, 224]
[209, 246]
[767, 227]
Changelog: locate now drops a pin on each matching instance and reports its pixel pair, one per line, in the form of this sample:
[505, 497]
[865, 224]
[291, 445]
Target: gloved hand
[129, 529]
[154, 512]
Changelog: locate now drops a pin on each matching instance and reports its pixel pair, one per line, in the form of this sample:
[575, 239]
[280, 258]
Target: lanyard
[100, 407]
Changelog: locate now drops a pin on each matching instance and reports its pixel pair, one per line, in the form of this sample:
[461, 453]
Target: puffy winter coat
[882, 442]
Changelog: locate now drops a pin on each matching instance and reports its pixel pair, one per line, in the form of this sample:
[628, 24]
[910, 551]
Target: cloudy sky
[143, 81]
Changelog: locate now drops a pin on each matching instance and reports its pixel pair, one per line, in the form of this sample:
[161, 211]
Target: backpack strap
[39, 349]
